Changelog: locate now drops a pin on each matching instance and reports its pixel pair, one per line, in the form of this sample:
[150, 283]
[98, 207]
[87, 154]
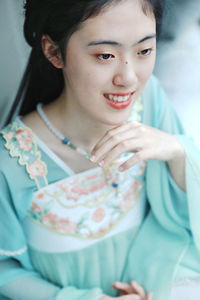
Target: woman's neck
[81, 130]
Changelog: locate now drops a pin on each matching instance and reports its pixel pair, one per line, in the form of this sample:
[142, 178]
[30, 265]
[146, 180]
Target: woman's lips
[119, 101]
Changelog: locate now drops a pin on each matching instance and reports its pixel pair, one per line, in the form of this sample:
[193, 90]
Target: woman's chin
[113, 121]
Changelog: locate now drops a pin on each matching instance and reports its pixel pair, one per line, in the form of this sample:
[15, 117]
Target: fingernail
[117, 284]
[121, 168]
[101, 163]
[93, 158]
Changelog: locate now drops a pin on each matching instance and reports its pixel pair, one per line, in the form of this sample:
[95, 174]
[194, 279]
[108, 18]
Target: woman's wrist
[177, 166]
[178, 151]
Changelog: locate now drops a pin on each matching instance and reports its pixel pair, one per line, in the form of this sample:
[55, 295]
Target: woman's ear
[52, 51]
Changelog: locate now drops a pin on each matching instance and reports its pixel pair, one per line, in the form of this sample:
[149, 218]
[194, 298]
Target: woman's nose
[125, 76]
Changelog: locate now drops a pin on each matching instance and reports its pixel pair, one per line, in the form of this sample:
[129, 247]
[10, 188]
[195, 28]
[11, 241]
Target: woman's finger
[112, 133]
[125, 146]
[122, 141]
[138, 289]
[135, 159]
[149, 296]
[123, 287]
[109, 134]
[129, 297]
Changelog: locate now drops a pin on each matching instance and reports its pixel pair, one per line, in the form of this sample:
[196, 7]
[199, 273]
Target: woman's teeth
[118, 98]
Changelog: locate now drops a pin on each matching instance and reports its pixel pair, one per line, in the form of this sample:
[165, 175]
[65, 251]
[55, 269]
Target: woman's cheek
[146, 71]
[98, 78]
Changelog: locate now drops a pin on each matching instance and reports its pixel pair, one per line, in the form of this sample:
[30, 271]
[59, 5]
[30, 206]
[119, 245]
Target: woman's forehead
[121, 21]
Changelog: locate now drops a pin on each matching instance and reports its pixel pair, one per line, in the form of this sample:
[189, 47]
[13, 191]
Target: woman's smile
[119, 101]
[115, 54]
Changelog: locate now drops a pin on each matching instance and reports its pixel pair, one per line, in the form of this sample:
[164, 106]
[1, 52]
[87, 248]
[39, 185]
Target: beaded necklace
[138, 107]
[58, 134]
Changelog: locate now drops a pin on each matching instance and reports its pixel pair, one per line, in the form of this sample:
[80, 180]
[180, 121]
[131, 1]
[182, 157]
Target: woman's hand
[145, 141]
[132, 291]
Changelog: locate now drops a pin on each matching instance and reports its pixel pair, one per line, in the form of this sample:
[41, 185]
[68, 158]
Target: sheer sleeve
[172, 221]
[26, 287]
[18, 279]
[30, 287]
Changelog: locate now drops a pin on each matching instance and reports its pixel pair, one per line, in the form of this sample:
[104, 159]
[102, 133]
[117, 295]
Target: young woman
[94, 172]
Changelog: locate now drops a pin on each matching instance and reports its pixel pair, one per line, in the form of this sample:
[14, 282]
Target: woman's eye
[105, 56]
[145, 52]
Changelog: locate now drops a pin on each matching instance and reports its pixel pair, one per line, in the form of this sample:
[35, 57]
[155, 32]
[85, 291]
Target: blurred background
[178, 61]
[178, 58]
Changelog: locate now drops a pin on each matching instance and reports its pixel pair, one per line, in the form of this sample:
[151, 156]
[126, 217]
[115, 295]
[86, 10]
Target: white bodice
[82, 209]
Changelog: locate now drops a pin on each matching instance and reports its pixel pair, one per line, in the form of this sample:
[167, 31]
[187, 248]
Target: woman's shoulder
[19, 152]
[16, 185]
[12, 142]
[15, 139]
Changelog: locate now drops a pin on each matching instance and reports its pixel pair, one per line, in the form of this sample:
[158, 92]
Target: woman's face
[108, 61]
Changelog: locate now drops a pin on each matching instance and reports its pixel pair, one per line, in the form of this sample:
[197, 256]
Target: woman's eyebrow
[106, 42]
[114, 43]
[148, 37]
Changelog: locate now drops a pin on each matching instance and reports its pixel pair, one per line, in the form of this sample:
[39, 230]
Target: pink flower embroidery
[40, 196]
[37, 169]
[71, 197]
[76, 190]
[79, 191]
[92, 177]
[63, 187]
[85, 192]
[142, 168]
[50, 218]
[94, 188]
[98, 215]
[68, 227]
[24, 139]
[91, 235]
[36, 208]
[136, 185]
[102, 184]
[125, 205]
[9, 135]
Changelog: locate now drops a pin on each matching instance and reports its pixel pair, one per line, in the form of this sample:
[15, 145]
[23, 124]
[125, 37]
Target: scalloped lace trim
[20, 143]
[13, 253]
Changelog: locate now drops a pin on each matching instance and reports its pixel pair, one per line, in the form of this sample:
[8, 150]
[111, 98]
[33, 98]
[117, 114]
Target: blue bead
[65, 141]
[115, 185]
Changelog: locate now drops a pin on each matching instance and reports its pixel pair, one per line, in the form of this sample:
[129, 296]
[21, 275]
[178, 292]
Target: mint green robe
[165, 249]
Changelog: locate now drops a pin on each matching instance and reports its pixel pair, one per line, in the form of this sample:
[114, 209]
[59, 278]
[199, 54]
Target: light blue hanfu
[153, 235]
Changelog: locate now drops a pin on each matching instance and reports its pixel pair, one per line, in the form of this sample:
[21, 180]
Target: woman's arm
[30, 286]
[18, 279]
[177, 167]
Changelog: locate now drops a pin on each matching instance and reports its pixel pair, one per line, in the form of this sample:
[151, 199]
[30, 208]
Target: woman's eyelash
[145, 52]
[106, 56]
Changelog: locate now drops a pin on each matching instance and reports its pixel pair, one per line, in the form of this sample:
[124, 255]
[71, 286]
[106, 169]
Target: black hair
[42, 82]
